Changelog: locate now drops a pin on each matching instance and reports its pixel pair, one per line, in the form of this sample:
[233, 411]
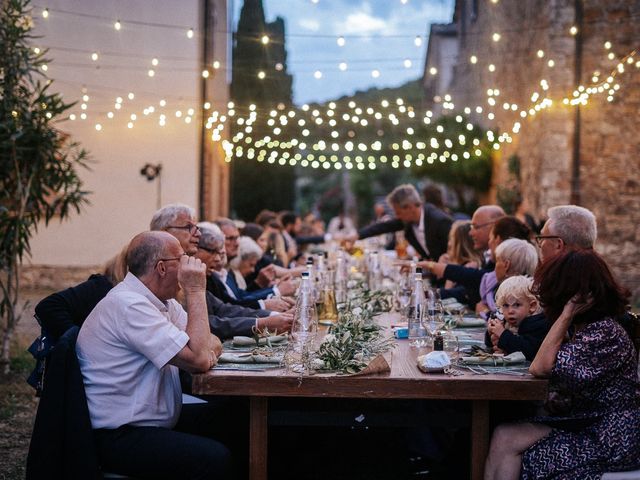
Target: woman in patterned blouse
[592, 365]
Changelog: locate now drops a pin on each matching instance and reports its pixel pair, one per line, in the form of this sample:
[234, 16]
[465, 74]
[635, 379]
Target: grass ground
[17, 400]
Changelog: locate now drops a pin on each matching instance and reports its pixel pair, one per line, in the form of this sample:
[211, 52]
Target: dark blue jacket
[531, 333]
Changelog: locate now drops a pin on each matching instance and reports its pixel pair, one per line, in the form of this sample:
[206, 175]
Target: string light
[264, 39]
[190, 33]
[94, 56]
[151, 72]
[317, 74]
[473, 59]
[375, 73]
[573, 30]
[495, 37]
[340, 41]
[117, 25]
[342, 66]
[418, 41]
[154, 62]
[45, 13]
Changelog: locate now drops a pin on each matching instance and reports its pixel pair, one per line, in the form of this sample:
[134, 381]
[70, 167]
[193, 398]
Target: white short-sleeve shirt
[123, 348]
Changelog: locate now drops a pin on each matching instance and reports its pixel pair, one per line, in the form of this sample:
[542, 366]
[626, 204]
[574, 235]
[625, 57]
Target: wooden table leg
[258, 407]
[479, 437]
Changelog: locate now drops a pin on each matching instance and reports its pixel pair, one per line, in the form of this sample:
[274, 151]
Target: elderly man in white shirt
[130, 348]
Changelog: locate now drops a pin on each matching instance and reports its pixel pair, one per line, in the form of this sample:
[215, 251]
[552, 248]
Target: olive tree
[38, 162]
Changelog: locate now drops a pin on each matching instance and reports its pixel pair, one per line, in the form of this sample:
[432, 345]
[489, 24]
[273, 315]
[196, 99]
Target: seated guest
[130, 348]
[524, 326]
[341, 225]
[592, 367]
[469, 280]
[425, 227]
[460, 249]
[226, 320]
[513, 257]
[568, 227]
[211, 253]
[249, 252]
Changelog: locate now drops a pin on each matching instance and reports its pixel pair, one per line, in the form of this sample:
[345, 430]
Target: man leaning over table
[129, 350]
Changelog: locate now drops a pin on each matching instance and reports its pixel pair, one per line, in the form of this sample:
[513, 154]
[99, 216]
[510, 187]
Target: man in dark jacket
[425, 227]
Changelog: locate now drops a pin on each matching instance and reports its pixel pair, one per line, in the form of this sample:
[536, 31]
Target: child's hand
[494, 340]
[497, 350]
[495, 327]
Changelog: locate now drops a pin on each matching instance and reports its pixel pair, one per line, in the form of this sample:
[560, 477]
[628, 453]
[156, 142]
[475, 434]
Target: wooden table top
[404, 380]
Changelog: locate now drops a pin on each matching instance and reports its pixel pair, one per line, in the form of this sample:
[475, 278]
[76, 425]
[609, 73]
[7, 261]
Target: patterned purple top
[601, 433]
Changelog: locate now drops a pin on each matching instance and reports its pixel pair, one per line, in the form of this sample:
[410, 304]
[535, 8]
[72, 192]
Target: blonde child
[524, 326]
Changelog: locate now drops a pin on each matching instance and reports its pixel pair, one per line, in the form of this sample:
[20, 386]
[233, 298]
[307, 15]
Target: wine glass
[433, 319]
[403, 296]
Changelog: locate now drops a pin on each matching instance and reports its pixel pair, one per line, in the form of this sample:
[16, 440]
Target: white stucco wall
[122, 201]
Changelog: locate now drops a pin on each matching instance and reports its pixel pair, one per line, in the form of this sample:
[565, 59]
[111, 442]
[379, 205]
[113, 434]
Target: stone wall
[609, 182]
[52, 278]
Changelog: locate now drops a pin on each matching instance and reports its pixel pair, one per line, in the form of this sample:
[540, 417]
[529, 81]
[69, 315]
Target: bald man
[129, 350]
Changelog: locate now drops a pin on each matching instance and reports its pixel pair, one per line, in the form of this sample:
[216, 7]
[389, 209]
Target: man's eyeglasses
[542, 238]
[232, 238]
[193, 228]
[170, 259]
[213, 251]
[481, 225]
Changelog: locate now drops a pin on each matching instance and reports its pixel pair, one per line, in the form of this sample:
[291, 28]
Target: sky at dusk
[378, 35]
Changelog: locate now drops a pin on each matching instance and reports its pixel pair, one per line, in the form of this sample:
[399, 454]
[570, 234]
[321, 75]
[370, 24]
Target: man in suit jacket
[425, 227]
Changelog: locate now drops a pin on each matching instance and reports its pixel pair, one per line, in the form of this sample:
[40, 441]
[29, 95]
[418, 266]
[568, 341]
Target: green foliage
[257, 185]
[508, 193]
[38, 162]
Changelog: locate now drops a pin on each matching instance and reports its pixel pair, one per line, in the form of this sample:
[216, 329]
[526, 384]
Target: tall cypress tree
[255, 185]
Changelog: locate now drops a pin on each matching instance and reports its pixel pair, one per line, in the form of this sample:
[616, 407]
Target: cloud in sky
[382, 37]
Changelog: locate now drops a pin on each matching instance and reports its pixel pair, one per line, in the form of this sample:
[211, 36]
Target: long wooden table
[404, 381]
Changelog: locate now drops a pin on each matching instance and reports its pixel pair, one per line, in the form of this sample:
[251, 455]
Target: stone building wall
[609, 181]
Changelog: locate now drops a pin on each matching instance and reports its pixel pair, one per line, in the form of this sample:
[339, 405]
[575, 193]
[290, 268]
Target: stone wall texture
[609, 150]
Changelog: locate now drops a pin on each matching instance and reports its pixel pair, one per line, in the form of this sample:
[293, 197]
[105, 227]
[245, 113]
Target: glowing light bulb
[85, 98]
[417, 41]
[261, 75]
[540, 53]
[162, 103]
[607, 45]
[151, 72]
[342, 66]
[407, 63]
[433, 71]
[375, 73]
[117, 25]
[551, 63]
[205, 74]
[45, 13]
[340, 41]
[573, 30]
[190, 33]
[216, 64]
[94, 56]
[473, 59]
[131, 96]
[154, 62]
[492, 68]
[495, 37]
[317, 74]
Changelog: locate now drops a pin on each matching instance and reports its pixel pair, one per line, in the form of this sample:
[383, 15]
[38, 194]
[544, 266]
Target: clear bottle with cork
[417, 308]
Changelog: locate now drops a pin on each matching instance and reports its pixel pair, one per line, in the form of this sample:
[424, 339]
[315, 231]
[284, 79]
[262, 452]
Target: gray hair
[210, 235]
[223, 222]
[404, 195]
[522, 256]
[168, 214]
[576, 226]
[247, 249]
[144, 252]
